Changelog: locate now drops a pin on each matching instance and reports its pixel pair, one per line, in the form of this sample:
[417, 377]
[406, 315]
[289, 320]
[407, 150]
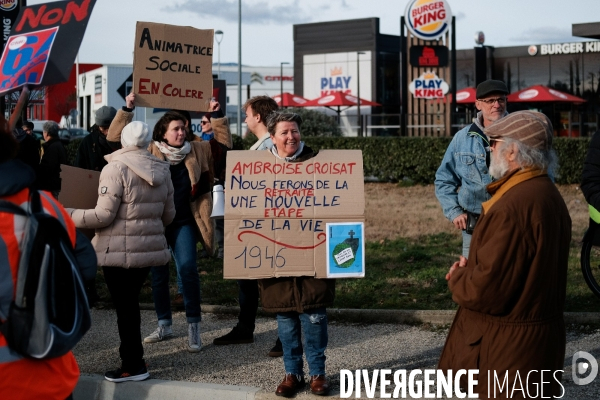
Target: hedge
[416, 159]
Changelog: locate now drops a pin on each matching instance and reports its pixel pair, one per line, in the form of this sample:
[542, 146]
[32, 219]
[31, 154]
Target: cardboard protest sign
[79, 189]
[294, 219]
[172, 66]
[43, 44]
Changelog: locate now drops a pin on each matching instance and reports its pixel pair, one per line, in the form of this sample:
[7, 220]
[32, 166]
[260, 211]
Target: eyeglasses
[493, 142]
[490, 102]
[203, 122]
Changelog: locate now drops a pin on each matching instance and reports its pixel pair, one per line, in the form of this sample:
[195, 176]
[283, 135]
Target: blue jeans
[314, 333]
[466, 244]
[182, 241]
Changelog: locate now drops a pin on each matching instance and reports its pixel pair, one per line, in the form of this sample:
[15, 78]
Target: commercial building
[329, 55]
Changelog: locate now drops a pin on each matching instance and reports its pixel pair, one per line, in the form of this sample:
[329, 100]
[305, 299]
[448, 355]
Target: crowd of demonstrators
[300, 302]
[511, 289]
[257, 110]
[191, 171]
[465, 165]
[55, 154]
[93, 147]
[135, 203]
[21, 377]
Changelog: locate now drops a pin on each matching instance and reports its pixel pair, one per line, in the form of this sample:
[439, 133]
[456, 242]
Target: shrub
[417, 159]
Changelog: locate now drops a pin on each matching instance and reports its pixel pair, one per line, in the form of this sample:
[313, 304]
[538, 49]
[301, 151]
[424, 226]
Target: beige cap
[529, 127]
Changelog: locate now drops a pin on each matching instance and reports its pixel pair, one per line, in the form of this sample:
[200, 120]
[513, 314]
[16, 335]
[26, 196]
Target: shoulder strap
[7, 206]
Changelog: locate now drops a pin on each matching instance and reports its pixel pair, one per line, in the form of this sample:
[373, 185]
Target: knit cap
[137, 134]
[529, 127]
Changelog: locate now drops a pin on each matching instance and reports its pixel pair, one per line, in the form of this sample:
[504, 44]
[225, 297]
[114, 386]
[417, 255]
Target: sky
[267, 25]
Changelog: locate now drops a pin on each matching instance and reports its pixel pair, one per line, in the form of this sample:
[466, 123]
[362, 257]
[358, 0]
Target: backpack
[50, 312]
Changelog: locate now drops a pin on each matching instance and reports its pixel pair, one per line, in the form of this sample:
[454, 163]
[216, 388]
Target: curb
[355, 315]
[95, 387]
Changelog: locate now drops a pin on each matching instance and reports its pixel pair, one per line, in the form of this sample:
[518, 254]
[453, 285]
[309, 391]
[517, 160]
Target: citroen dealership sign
[428, 19]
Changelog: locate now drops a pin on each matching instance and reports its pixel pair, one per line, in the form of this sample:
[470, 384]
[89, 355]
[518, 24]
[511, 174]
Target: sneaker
[161, 333]
[277, 350]
[236, 336]
[121, 375]
[194, 341]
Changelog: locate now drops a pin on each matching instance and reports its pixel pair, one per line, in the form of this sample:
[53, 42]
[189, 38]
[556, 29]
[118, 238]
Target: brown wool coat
[199, 164]
[512, 292]
[296, 293]
[135, 203]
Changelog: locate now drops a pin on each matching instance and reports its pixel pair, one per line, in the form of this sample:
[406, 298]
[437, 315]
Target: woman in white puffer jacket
[135, 203]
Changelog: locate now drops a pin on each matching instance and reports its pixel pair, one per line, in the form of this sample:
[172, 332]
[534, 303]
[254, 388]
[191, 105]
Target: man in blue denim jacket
[466, 163]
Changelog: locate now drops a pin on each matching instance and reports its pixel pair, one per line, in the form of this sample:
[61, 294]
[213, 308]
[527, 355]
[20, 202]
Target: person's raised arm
[123, 117]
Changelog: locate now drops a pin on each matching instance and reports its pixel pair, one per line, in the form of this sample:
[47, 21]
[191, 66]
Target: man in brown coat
[511, 290]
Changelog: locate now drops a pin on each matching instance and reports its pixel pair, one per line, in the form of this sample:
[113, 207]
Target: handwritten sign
[276, 213]
[172, 66]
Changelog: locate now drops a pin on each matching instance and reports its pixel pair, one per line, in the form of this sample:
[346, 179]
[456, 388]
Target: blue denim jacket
[464, 166]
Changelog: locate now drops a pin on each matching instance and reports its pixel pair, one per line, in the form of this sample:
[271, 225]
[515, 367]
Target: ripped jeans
[314, 333]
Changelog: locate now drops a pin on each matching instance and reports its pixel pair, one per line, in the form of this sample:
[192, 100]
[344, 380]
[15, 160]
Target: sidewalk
[358, 339]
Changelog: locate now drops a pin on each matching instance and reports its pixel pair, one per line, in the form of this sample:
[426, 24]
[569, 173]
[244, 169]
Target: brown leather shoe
[319, 385]
[290, 385]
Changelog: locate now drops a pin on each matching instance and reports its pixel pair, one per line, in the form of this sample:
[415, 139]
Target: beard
[498, 164]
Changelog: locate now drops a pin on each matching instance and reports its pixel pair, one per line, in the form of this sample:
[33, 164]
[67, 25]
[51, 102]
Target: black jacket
[29, 150]
[590, 177]
[49, 171]
[92, 150]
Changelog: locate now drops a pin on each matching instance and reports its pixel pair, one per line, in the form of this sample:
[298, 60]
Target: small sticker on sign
[344, 255]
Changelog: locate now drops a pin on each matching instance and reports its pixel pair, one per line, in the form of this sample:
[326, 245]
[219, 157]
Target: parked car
[78, 133]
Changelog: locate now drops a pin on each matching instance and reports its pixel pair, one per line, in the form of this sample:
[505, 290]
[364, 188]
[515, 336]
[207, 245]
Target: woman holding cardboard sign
[300, 302]
[191, 168]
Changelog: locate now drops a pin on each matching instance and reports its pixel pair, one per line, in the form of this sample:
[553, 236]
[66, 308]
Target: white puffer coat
[135, 203]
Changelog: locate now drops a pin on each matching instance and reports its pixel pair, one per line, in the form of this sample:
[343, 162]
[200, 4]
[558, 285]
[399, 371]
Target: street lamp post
[358, 53]
[239, 93]
[219, 38]
[281, 82]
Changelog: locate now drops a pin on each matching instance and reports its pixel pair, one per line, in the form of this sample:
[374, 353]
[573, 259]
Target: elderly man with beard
[511, 289]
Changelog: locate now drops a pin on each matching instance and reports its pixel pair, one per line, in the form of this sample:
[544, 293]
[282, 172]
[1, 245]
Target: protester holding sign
[191, 168]
[300, 302]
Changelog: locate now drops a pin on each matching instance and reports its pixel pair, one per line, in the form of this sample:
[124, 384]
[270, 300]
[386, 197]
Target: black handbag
[471, 222]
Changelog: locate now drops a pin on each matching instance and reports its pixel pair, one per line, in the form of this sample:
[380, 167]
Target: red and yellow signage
[428, 19]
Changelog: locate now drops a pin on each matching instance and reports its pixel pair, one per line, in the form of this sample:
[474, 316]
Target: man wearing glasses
[466, 163]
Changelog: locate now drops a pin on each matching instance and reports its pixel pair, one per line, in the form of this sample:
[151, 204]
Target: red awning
[290, 100]
[540, 93]
[464, 96]
[338, 99]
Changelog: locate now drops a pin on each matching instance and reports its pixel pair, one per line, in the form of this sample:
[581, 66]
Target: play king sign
[428, 19]
[428, 86]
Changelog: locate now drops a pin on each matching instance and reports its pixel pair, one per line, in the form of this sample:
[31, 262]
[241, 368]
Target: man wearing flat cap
[466, 163]
[511, 289]
[94, 146]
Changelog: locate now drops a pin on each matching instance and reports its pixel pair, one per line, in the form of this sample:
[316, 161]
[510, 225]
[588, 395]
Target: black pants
[248, 295]
[125, 285]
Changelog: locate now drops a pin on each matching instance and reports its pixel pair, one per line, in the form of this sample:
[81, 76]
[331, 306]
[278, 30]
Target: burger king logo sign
[7, 5]
[428, 19]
